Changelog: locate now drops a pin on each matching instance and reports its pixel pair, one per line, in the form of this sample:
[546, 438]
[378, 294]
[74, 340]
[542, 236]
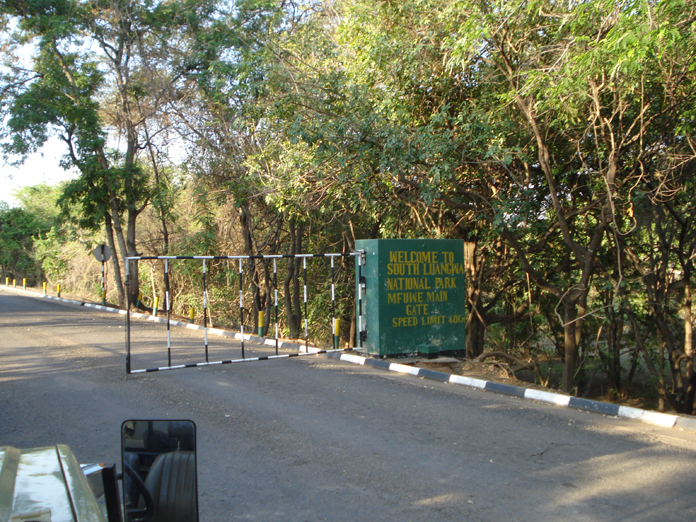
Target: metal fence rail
[232, 361]
[240, 259]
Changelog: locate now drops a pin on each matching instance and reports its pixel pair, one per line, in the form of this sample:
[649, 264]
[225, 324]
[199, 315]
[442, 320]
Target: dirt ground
[495, 371]
[486, 371]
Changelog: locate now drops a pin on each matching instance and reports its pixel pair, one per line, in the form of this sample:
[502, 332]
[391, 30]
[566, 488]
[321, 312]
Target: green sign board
[414, 296]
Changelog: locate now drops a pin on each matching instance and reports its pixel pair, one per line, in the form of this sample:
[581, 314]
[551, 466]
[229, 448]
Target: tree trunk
[688, 344]
[656, 374]
[114, 260]
[291, 284]
[570, 347]
[475, 327]
[159, 205]
[268, 285]
[133, 281]
[256, 299]
[354, 341]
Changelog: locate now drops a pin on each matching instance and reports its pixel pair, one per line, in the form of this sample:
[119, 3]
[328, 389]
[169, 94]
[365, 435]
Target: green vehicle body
[45, 485]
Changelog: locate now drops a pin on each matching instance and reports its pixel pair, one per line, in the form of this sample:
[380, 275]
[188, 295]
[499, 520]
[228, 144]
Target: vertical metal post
[360, 307]
[262, 321]
[241, 304]
[103, 276]
[275, 290]
[306, 329]
[128, 332]
[205, 311]
[166, 302]
[333, 305]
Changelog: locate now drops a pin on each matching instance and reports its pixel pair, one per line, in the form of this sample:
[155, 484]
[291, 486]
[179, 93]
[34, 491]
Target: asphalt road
[312, 439]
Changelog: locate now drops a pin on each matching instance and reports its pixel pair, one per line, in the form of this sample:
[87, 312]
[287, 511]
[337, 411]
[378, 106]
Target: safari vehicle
[158, 479]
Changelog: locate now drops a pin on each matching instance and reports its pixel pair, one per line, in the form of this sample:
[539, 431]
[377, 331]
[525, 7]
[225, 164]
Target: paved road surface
[313, 439]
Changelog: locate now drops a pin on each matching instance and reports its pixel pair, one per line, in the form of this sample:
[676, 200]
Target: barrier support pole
[306, 327]
[241, 304]
[103, 292]
[275, 290]
[334, 328]
[128, 343]
[168, 308]
[361, 334]
[205, 311]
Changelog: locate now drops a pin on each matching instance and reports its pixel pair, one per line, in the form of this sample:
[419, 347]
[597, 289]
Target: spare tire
[172, 484]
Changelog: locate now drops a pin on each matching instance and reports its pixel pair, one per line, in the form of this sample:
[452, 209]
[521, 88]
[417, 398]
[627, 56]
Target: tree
[88, 80]
[590, 85]
[17, 230]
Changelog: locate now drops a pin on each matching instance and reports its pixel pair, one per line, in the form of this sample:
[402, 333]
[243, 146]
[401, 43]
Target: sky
[41, 167]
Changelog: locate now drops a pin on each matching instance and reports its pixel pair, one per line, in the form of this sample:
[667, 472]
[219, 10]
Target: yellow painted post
[262, 322]
[24, 283]
[140, 298]
[44, 287]
[192, 315]
[104, 297]
[154, 308]
[58, 289]
[14, 283]
[7, 281]
[337, 333]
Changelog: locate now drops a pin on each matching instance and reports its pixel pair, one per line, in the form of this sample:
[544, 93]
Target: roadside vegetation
[555, 139]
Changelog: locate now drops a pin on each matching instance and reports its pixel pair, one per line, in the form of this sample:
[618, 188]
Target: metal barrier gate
[241, 335]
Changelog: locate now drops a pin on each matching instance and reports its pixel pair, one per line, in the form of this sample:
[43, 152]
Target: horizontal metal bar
[248, 359]
[274, 256]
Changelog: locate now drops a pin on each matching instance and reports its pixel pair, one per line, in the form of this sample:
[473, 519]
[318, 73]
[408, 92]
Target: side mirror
[159, 471]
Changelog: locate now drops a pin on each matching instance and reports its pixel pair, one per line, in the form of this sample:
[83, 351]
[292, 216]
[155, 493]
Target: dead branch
[519, 363]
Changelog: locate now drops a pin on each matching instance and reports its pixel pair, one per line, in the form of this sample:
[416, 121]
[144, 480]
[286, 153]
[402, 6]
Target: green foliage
[556, 137]
[42, 201]
[50, 251]
[18, 230]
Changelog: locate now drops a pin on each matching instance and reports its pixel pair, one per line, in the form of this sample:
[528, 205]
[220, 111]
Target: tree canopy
[555, 138]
